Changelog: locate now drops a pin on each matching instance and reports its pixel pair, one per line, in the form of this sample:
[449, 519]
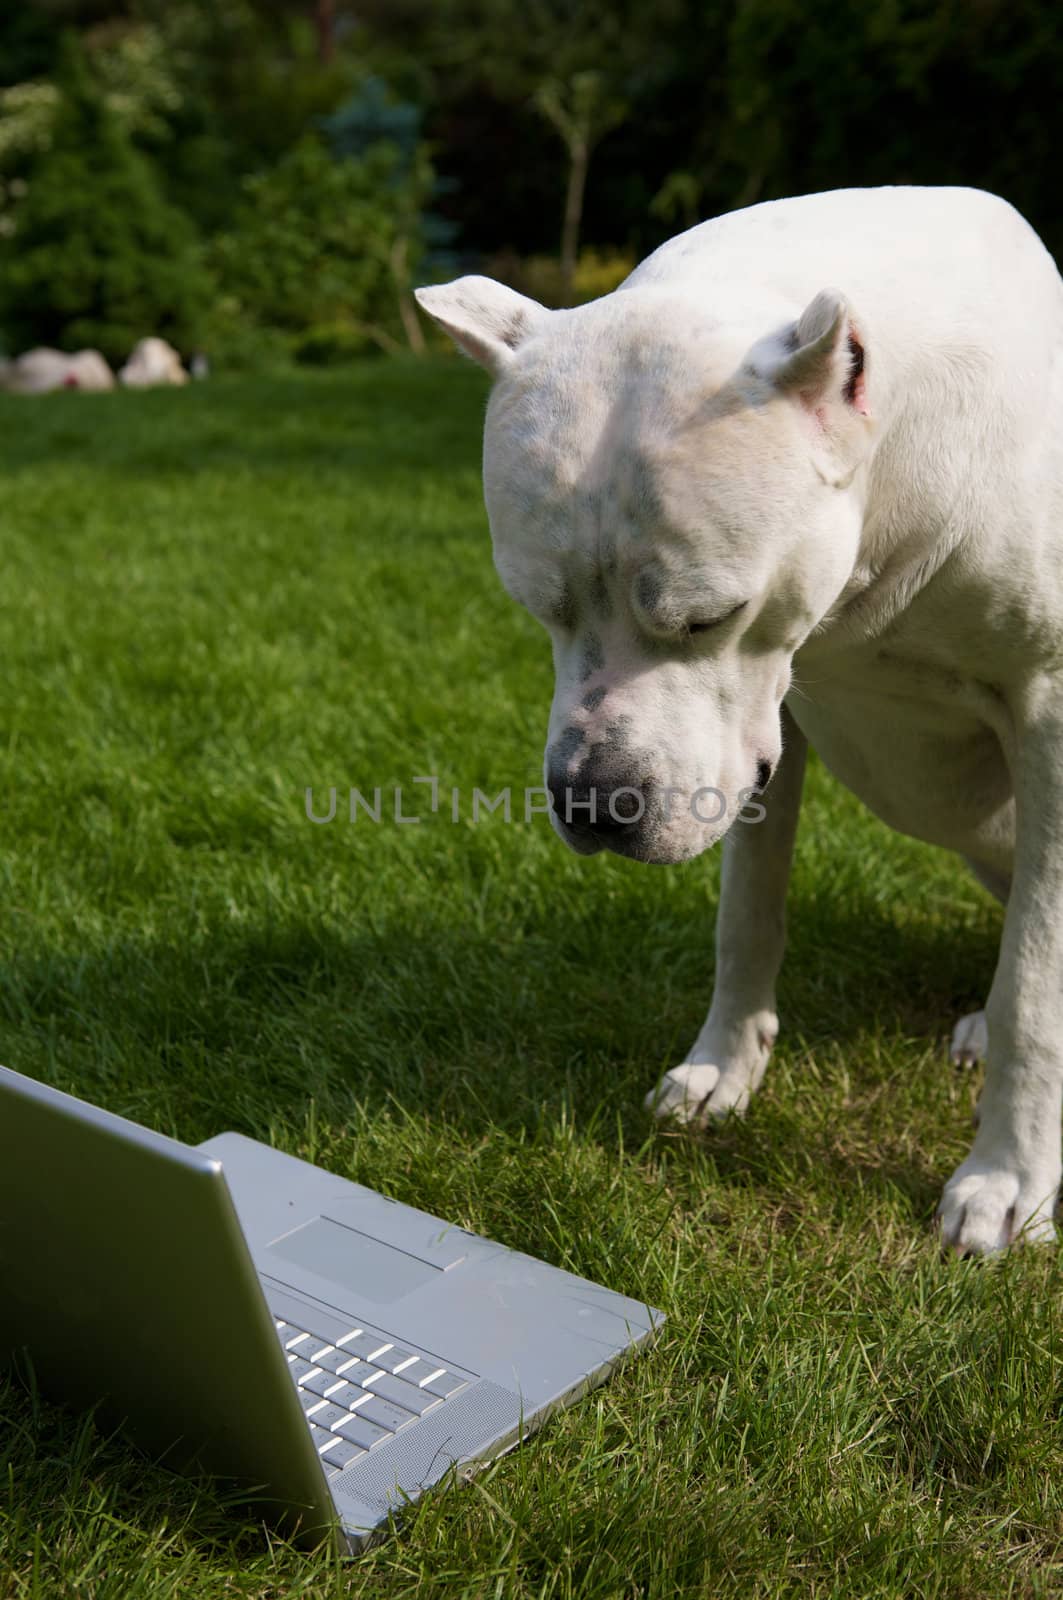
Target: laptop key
[407, 1395]
[342, 1452]
[360, 1343]
[444, 1384]
[328, 1416]
[349, 1338]
[333, 1360]
[297, 1366]
[395, 1357]
[355, 1370]
[318, 1381]
[343, 1394]
[385, 1414]
[295, 1340]
[308, 1399]
[420, 1370]
[360, 1431]
[318, 1347]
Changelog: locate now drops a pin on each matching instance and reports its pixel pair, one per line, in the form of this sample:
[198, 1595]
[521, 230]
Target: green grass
[214, 598]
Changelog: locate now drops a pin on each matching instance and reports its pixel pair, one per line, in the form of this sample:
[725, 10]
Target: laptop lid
[126, 1276]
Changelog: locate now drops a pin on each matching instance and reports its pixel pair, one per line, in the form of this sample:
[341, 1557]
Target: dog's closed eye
[714, 622]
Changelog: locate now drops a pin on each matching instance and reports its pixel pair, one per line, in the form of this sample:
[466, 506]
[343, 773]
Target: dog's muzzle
[609, 801]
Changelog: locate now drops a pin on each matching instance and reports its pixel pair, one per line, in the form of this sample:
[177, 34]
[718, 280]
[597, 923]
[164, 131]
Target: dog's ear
[825, 370]
[827, 360]
[484, 318]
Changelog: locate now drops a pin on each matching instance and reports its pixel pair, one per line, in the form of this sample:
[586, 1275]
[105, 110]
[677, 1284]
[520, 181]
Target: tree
[582, 111]
[323, 246]
[93, 254]
[581, 66]
[371, 118]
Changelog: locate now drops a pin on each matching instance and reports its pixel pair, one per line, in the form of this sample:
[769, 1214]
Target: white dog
[727, 477]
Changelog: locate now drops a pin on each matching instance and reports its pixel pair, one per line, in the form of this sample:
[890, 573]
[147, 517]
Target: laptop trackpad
[376, 1271]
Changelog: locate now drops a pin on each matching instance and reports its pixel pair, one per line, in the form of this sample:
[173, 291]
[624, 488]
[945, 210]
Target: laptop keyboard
[362, 1390]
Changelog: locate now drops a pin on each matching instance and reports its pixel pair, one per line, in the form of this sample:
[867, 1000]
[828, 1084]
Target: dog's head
[669, 494]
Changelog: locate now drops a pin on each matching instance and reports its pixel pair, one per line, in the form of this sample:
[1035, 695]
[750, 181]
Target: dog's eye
[714, 622]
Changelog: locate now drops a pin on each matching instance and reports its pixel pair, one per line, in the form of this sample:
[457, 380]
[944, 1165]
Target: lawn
[216, 597]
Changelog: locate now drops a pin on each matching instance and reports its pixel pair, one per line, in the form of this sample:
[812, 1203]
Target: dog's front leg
[1008, 1185]
[729, 1056]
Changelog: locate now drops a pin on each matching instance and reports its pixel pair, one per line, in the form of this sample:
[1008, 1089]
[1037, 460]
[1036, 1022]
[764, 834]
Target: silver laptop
[243, 1312]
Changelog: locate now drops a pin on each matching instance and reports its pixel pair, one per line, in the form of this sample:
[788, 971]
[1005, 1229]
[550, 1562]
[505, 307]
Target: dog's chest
[915, 741]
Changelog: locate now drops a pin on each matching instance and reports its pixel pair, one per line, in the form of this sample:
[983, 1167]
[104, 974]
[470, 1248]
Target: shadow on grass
[245, 1027]
[98, 1459]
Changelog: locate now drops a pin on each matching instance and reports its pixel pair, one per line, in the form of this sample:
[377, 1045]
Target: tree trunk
[578, 158]
[407, 304]
[325, 21]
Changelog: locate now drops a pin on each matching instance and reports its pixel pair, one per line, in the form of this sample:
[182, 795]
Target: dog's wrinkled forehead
[573, 523]
[569, 401]
[599, 462]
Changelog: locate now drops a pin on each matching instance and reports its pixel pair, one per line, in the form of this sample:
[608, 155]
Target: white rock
[153, 362]
[42, 370]
[88, 370]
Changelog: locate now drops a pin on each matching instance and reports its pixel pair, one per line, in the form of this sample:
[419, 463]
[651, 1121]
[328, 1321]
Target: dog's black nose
[602, 808]
[620, 809]
[566, 795]
[764, 772]
[588, 805]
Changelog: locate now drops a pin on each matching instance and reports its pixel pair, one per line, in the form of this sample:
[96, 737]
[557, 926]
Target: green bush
[93, 254]
[597, 272]
[328, 344]
[236, 343]
[322, 243]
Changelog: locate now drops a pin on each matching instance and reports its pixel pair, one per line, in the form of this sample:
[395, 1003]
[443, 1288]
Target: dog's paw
[717, 1080]
[970, 1040]
[681, 1094]
[987, 1206]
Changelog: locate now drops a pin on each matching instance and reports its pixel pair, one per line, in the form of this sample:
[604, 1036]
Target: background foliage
[97, 254]
[320, 156]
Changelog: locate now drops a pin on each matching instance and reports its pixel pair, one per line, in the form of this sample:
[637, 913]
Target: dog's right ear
[484, 318]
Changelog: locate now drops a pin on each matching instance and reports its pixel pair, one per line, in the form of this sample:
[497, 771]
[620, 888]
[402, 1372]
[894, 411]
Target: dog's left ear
[825, 371]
